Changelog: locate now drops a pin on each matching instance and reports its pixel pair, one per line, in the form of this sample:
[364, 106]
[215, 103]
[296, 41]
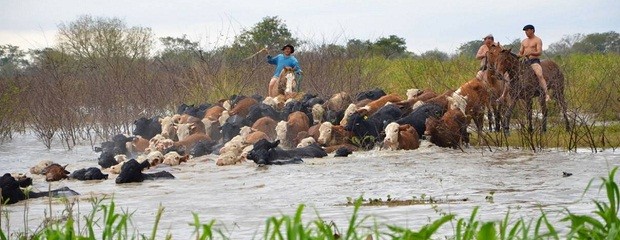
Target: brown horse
[495, 86]
[524, 85]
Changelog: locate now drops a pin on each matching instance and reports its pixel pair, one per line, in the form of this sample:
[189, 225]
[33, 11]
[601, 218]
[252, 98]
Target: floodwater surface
[241, 198]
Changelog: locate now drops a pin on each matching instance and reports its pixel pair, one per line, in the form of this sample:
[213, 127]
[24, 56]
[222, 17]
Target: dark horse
[524, 84]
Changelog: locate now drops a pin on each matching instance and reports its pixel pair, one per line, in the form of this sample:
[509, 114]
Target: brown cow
[192, 139]
[475, 93]
[242, 108]
[55, 172]
[286, 131]
[401, 137]
[373, 106]
[449, 131]
[266, 125]
[406, 106]
[330, 135]
[214, 113]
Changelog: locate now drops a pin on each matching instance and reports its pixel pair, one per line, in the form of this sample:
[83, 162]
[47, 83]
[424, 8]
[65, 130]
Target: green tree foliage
[390, 47]
[358, 47]
[12, 59]
[607, 42]
[106, 38]
[469, 49]
[271, 32]
[435, 55]
[179, 49]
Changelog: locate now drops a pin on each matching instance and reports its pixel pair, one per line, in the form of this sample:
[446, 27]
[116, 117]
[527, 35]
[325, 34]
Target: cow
[372, 95]
[12, 193]
[147, 128]
[401, 137]
[242, 108]
[287, 131]
[86, 174]
[448, 131]
[266, 125]
[417, 118]
[368, 130]
[375, 105]
[132, 172]
[265, 152]
[55, 172]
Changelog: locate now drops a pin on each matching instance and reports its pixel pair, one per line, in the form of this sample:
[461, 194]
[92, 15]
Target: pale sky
[426, 25]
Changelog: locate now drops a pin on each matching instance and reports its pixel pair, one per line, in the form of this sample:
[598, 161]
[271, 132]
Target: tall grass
[106, 222]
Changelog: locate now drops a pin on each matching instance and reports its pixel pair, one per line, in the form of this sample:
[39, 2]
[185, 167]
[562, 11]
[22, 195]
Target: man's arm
[272, 60]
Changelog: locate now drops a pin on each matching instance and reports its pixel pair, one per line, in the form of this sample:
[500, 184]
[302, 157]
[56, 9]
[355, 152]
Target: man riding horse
[531, 50]
[282, 61]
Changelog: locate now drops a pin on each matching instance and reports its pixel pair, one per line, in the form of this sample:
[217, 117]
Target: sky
[425, 25]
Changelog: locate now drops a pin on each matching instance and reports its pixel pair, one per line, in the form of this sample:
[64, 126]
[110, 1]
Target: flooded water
[242, 197]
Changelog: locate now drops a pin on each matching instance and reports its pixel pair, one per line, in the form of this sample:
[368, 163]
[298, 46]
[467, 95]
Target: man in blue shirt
[283, 60]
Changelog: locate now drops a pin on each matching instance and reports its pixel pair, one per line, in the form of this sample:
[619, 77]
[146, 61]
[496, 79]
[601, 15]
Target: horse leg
[543, 109]
[507, 115]
[498, 117]
[528, 107]
[490, 111]
[559, 96]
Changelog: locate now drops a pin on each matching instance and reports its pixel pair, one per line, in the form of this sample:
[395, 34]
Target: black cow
[147, 128]
[192, 110]
[372, 126]
[266, 153]
[232, 126]
[334, 117]
[294, 106]
[343, 152]
[91, 173]
[262, 110]
[372, 94]
[418, 117]
[202, 148]
[132, 172]
[11, 192]
[109, 149]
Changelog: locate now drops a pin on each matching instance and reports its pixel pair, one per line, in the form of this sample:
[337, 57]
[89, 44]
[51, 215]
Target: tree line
[102, 74]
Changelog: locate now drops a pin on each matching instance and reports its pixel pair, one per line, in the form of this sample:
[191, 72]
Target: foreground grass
[105, 222]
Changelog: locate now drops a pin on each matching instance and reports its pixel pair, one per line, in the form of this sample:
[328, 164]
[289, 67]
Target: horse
[495, 87]
[287, 82]
[524, 85]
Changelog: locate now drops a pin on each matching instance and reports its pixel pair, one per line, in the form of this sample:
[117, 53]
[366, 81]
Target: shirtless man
[531, 49]
[482, 54]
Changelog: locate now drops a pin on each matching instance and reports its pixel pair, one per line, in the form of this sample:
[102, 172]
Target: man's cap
[290, 46]
[489, 36]
[529, 26]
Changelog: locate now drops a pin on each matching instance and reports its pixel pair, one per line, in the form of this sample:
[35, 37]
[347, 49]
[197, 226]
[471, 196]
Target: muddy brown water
[241, 198]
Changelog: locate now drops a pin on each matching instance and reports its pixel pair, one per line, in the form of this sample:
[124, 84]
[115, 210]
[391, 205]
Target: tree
[435, 55]
[470, 48]
[390, 47]
[92, 38]
[599, 43]
[565, 45]
[270, 32]
[12, 59]
[357, 47]
[178, 48]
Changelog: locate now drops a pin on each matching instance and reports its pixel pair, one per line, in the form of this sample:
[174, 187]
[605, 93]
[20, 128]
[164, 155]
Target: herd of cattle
[280, 130]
